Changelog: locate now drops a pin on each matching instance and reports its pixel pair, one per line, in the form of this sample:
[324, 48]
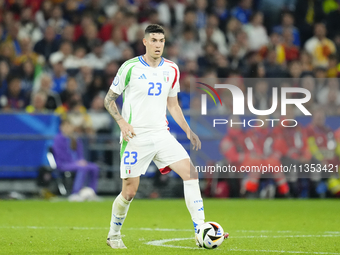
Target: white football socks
[194, 202]
[119, 210]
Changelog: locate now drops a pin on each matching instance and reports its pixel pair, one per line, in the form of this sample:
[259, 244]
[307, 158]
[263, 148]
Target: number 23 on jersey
[155, 89]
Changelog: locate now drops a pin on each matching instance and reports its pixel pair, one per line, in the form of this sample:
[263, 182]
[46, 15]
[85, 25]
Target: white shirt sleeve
[118, 83]
[175, 88]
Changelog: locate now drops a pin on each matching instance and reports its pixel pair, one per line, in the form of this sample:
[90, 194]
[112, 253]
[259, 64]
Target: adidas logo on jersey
[142, 76]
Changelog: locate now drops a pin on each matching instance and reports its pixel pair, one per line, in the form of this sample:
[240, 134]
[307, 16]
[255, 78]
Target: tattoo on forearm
[111, 106]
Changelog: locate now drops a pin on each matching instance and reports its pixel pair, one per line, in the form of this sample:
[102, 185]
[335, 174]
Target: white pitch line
[161, 243]
[286, 236]
[94, 228]
[292, 252]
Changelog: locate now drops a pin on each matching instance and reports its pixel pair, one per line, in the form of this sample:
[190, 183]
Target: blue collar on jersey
[146, 64]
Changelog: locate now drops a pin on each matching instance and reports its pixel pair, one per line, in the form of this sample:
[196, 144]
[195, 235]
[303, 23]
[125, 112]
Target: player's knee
[130, 194]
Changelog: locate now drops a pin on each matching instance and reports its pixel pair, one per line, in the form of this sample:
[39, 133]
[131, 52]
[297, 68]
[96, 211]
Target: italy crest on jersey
[166, 76]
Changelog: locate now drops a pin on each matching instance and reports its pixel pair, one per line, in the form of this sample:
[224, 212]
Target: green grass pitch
[164, 227]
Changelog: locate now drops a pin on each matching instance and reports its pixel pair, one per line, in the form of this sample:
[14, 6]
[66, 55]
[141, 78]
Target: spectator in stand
[234, 58]
[27, 53]
[320, 74]
[173, 55]
[89, 38]
[84, 78]
[73, 9]
[262, 100]
[291, 144]
[212, 33]
[322, 145]
[189, 48]
[65, 51]
[38, 103]
[78, 116]
[48, 44]
[57, 21]
[69, 156]
[333, 68]
[171, 13]
[75, 61]
[288, 23]
[294, 72]
[14, 98]
[96, 87]
[71, 88]
[7, 51]
[243, 11]
[308, 13]
[28, 27]
[201, 14]
[272, 10]
[331, 86]
[95, 9]
[118, 21]
[96, 59]
[114, 47]
[232, 28]
[189, 20]
[109, 74]
[291, 51]
[127, 54]
[276, 45]
[208, 60]
[132, 27]
[68, 33]
[111, 8]
[319, 46]
[100, 118]
[27, 77]
[243, 41]
[44, 14]
[4, 71]
[53, 99]
[220, 9]
[306, 61]
[59, 75]
[137, 45]
[12, 36]
[256, 32]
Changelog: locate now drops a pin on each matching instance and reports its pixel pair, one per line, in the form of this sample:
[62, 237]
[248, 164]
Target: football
[210, 235]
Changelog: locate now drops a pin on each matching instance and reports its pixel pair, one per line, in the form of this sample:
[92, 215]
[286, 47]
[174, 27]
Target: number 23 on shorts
[131, 157]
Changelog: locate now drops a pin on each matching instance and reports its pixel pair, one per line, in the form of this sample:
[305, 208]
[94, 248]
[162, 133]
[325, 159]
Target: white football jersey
[145, 91]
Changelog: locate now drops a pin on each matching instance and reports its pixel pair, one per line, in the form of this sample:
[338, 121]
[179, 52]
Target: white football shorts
[159, 146]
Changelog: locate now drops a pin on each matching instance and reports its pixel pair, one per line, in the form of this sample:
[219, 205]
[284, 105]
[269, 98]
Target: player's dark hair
[154, 28]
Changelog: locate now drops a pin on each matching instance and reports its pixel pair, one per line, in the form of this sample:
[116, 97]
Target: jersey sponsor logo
[116, 80]
[166, 76]
[142, 77]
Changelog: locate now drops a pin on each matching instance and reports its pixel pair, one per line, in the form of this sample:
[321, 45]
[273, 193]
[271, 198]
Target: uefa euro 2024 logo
[239, 103]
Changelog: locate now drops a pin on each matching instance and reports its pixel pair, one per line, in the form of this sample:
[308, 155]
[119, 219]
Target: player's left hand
[196, 142]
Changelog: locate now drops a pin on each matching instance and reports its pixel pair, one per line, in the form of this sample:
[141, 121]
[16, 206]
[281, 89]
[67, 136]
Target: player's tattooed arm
[110, 105]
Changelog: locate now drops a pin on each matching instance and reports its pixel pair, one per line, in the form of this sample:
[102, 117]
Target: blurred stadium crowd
[62, 55]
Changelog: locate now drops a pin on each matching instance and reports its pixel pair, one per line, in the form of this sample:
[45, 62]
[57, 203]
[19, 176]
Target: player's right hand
[126, 129]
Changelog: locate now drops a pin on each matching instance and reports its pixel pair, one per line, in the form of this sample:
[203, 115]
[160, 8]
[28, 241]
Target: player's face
[154, 44]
